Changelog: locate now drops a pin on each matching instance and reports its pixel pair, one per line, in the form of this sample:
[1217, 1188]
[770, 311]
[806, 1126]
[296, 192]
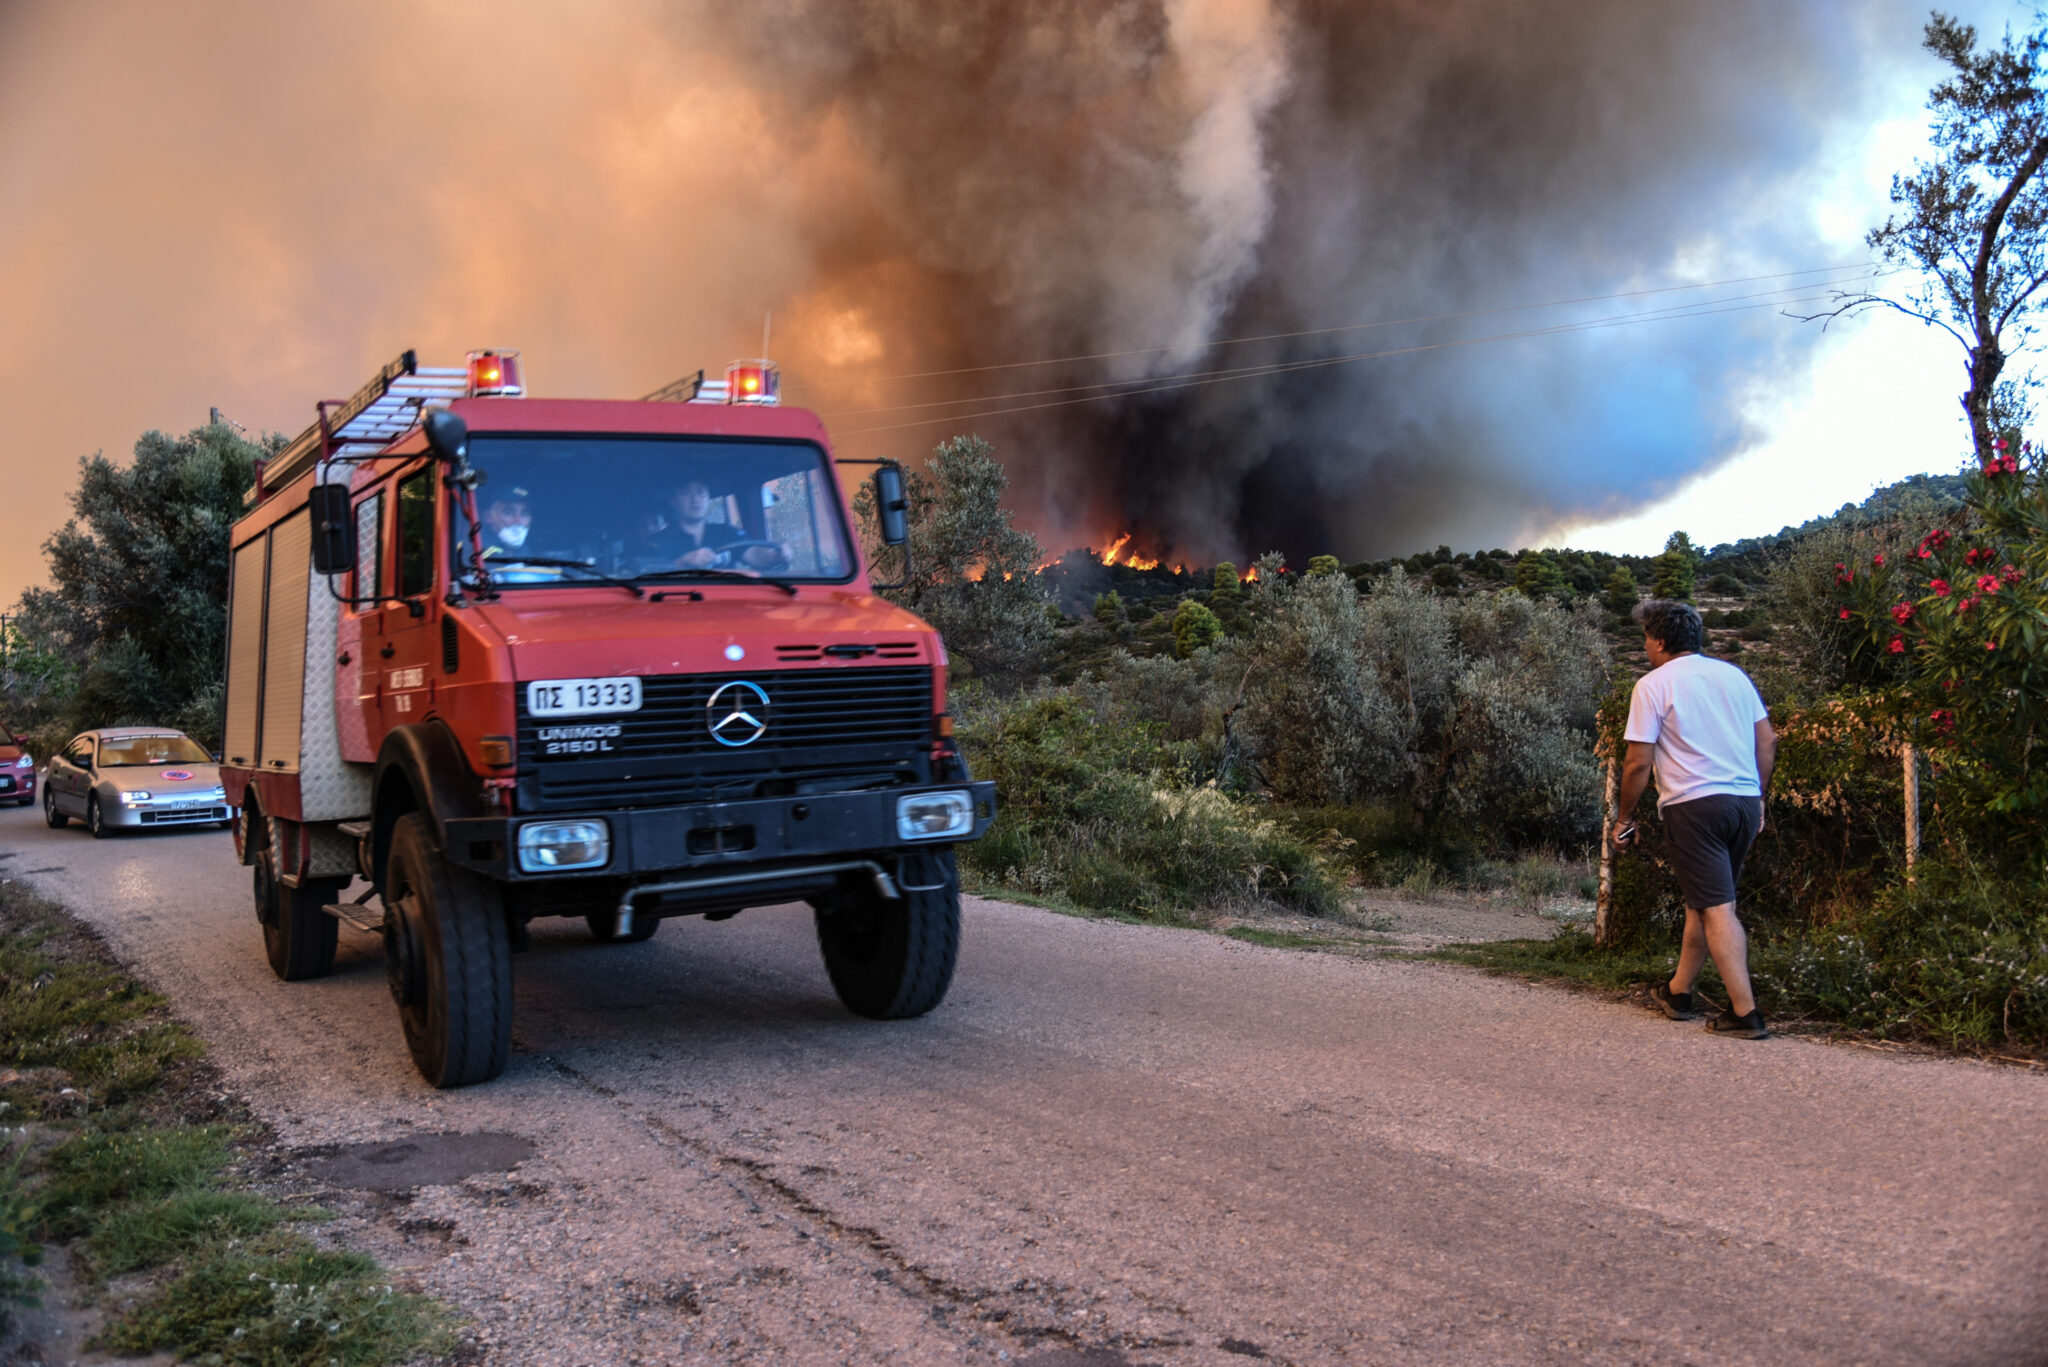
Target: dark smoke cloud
[1080, 179]
[253, 205]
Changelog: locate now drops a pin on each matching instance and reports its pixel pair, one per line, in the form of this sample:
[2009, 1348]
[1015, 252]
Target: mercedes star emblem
[737, 713]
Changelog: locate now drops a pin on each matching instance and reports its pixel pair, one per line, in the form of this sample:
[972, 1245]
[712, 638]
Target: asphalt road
[1115, 1144]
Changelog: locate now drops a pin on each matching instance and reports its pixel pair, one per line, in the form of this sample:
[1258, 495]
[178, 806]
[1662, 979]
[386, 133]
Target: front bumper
[17, 784]
[717, 836]
[120, 816]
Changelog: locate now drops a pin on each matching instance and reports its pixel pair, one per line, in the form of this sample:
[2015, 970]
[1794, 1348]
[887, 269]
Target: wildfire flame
[1115, 549]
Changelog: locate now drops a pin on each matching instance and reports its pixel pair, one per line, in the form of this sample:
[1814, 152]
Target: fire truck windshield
[642, 506]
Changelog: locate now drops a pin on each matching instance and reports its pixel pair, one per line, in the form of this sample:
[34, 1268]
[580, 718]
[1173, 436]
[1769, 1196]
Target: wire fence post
[1603, 909]
[1912, 786]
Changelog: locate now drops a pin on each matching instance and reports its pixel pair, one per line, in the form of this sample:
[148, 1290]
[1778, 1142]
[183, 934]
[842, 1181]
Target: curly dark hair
[1676, 625]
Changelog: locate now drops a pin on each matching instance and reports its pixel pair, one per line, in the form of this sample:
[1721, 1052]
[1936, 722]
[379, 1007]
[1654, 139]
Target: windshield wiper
[706, 572]
[558, 562]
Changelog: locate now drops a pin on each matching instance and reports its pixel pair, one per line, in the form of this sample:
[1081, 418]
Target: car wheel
[890, 960]
[602, 922]
[298, 937]
[94, 822]
[56, 820]
[447, 960]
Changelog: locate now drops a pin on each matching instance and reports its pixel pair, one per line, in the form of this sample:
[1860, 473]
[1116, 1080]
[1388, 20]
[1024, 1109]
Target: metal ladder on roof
[377, 414]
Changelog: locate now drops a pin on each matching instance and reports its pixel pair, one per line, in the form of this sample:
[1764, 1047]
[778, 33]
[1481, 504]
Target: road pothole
[421, 1160]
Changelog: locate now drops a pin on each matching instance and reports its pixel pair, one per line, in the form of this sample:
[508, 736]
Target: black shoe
[1680, 1006]
[1750, 1026]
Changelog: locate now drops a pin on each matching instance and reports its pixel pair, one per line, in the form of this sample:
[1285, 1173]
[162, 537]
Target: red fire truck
[505, 658]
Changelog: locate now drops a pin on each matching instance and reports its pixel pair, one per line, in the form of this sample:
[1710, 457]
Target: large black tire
[890, 960]
[447, 959]
[298, 937]
[94, 822]
[56, 819]
[601, 923]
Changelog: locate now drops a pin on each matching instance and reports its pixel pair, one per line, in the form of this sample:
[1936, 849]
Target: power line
[1668, 311]
[1385, 323]
[1288, 367]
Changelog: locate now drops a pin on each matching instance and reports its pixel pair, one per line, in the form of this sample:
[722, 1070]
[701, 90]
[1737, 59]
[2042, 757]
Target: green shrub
[1088, 815]
[1195, 628]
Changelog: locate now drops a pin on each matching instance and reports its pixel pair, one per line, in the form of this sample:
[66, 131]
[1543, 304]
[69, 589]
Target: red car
[17, 770]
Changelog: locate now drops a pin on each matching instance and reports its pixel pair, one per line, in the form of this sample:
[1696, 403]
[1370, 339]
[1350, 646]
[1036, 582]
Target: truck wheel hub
[403, 972]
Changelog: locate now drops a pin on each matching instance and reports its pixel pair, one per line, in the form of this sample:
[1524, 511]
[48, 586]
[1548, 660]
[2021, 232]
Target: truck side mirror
[893, 507]
[448, 435]
[334, 532]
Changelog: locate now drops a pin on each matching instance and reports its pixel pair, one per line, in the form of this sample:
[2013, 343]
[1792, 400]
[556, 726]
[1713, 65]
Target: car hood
[9, 753]
[160, 779]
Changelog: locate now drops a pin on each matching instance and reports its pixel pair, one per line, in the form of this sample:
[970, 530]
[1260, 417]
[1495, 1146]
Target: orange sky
[254, 206]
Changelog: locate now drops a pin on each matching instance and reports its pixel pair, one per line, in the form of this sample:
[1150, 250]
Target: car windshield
[636, 507]
[123, 751]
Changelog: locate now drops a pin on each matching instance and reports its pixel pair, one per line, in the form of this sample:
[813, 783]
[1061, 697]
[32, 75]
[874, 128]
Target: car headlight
[220, 794]
[552, 846]
[130, 799]
[934, 816]
[24, 763]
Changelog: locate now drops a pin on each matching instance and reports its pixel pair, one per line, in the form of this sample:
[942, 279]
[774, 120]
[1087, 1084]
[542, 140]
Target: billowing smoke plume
[254, 206]
[1152, 177]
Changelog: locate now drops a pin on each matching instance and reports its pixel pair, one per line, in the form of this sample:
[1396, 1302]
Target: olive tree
[973, 573]
[139, 578]
[1972, 223]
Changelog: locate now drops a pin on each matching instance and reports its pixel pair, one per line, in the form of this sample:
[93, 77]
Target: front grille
[175, 815]
[828, 730]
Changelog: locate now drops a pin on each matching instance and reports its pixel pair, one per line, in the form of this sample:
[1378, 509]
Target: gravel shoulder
[1154, 1145]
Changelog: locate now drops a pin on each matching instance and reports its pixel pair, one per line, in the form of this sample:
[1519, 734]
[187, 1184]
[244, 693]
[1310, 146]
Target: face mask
[513, 535]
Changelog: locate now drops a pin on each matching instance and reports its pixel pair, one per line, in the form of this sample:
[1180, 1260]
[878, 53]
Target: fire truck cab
[505, 658]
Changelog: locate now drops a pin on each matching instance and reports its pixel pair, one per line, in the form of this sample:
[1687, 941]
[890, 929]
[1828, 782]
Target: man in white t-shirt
[1699, 724]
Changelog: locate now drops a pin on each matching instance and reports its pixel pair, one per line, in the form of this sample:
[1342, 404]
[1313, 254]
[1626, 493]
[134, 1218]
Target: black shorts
[1706, 839]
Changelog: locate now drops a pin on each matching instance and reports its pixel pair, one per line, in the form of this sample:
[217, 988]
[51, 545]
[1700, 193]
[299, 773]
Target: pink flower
[1898, 645]
[1878, 560]
[1940, 586]
[1943, 719]
[1902, 613]
[1845, 614]
[1987, 583]
[1991, 645]
[1966, 604]
[1974, 554]
[2011, 574]
[1999, 445]
[1924, 553]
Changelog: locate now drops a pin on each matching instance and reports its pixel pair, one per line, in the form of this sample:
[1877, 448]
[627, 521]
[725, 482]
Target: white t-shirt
[1701, 714]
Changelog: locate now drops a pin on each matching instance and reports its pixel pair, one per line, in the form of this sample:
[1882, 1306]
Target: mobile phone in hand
[1626, 835]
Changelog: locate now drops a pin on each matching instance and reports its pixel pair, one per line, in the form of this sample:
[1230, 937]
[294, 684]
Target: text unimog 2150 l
[611, 660]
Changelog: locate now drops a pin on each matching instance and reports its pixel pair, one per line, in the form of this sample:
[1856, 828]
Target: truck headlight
[934, 816]
[551, 846]
[130, 799]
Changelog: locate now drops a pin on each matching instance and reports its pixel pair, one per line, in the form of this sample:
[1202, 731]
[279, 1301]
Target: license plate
[582, 697]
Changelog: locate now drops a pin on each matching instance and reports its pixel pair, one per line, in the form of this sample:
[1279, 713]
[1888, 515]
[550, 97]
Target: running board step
[364, 918]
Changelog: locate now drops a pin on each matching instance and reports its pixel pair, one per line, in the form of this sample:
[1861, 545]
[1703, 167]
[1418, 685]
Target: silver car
[132, 777]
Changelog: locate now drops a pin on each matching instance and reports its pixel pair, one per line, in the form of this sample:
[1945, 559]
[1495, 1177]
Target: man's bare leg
[1729, 945]
[1692, 955]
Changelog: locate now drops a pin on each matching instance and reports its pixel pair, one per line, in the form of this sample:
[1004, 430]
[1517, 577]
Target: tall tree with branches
[1973, 221]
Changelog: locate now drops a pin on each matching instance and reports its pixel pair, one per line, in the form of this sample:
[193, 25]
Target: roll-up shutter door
[284, 648]
[245, 652]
